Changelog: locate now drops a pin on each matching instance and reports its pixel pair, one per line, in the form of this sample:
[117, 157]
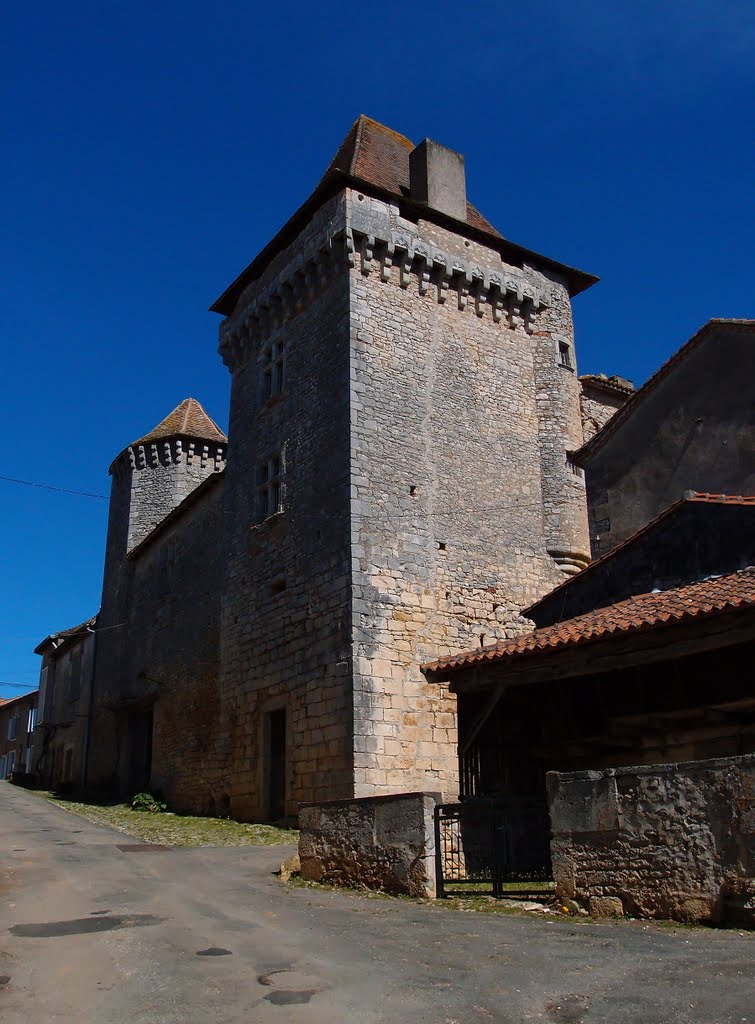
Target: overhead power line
[52, 487]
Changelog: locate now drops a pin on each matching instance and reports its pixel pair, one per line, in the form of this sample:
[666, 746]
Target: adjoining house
[645, 657]
[59, 749]
[17, 721]
[691, 426]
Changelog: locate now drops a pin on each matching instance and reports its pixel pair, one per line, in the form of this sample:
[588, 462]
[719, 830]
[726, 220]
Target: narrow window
[269, 487]
[166, 568]
[74, 675]
[564, 354]
[13, 727]
[273, 369]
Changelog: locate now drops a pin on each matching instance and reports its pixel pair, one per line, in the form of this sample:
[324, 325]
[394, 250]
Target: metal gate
[481, 847]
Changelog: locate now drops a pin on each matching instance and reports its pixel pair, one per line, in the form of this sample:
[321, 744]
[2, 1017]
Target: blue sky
[152, 150]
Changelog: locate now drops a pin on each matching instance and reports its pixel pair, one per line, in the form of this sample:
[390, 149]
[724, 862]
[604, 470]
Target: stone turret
[150, 478]
[156, 472]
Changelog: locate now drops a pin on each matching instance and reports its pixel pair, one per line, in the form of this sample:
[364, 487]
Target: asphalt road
[92, 931]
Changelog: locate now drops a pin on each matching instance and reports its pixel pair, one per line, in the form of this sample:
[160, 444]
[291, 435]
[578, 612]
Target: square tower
[404, 401]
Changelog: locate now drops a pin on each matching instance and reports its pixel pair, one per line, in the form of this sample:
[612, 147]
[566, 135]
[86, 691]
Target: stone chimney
[436, 177]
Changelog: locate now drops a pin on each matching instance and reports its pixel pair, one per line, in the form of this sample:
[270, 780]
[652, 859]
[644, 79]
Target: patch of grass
[177, 829]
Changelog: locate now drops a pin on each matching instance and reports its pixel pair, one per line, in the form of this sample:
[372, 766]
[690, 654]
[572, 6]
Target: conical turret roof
[187, 420]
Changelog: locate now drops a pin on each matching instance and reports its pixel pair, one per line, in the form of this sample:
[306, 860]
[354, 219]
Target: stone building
[65, 700]
[17, 720]
[155, 710]
[404, 386]
[601, 397]
[399, 482]
[690, 427]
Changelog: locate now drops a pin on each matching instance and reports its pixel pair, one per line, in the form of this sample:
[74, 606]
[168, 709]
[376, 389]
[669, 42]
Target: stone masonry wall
[385, 843]
[683, 435]
[669, 841]
[598, 405]
[461, 419]
[286, 597]
[147, 484]
[60, 737]
[168, 644]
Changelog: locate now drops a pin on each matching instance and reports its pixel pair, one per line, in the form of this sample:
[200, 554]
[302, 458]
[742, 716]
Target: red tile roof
[187, 420]
[379, 156]
[634, 401]
[642, 612]
[15, 700]
[693, 497]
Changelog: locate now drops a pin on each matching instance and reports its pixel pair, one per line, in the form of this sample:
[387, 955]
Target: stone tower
[404, 401]
[150, 478]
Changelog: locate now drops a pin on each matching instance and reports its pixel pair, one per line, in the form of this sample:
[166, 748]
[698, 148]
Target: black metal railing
[490, 847]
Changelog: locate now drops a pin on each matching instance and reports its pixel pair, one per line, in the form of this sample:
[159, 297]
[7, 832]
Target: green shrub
[147, 802]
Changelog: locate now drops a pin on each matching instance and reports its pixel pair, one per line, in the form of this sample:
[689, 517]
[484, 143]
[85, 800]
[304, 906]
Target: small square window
[273, 369]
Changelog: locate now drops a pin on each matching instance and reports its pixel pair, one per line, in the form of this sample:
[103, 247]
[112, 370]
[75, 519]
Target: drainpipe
[90, 709]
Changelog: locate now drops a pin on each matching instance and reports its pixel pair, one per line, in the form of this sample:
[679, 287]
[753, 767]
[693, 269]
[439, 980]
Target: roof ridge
[189, 418]
[599, 439]
[697, 497]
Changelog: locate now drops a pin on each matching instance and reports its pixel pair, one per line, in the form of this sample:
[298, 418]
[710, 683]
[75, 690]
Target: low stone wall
[669, 841]
[384, 842]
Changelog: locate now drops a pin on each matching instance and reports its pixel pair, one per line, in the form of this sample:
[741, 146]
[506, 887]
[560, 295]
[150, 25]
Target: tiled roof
[642, 612]
[691, 497]
[67, 634]
[187, 420]
[378, 155]
[614, 383]
[706, 331]
[5, 704]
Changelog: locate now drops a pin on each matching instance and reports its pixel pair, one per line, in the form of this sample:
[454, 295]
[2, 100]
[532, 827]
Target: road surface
[95, 930]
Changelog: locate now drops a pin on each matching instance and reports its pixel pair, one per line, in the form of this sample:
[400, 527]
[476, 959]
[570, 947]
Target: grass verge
[177, 829]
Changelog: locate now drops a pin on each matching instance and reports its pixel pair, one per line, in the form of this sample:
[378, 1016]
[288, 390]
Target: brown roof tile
[378, 155]
[644, 611]
[187, 420]
[67, 634]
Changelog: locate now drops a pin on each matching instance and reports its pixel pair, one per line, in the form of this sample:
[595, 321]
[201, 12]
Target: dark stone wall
[168, 662]
[694, 430]
[697, 540]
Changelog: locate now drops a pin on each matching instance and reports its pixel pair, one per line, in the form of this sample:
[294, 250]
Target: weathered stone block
[379, 842]
[606, 906]
[678, 843]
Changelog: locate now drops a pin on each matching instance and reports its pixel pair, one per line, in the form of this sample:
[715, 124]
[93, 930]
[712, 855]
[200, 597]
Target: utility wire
[52, 487]
[420, 514]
